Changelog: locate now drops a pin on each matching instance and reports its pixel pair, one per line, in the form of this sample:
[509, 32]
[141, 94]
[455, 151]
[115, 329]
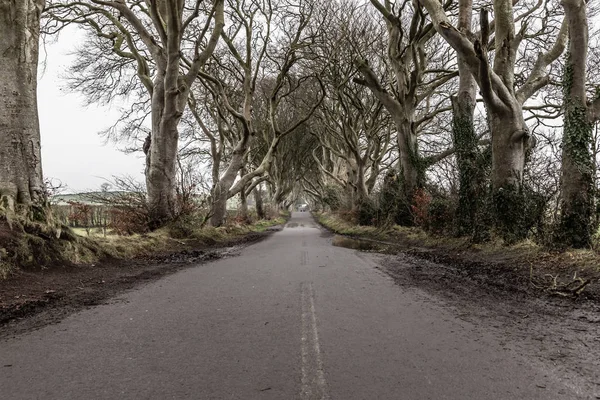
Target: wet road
[292, 317]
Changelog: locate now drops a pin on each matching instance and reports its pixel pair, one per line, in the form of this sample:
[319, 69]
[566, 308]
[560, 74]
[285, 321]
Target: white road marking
[314, 386]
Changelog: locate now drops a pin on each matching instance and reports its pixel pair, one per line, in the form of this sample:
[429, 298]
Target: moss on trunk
[575, 227]
[471, 174]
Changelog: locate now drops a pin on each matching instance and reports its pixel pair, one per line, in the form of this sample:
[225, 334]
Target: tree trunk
[575, 227]
[470, 171]
[219, 205]
[409, 158]
[243, 209]
[510, 142]
[258, 199]
[161, 156]
[362, 192]
[410, 168]
[21, 180]
[220, 193]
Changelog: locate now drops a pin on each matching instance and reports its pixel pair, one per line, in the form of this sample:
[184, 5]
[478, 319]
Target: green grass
[343, 227]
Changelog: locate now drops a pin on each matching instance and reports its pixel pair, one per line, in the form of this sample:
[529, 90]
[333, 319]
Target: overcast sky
[72, 150]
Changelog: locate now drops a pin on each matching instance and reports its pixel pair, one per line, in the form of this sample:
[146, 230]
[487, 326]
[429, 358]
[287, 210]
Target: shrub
[80, 215]
[185, 226]
[332, 197]
[127, 220]
[350, 216]
[440, 213]
[367, 213]
[420, 207]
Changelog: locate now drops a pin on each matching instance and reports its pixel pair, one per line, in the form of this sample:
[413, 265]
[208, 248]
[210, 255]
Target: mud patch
[360, 245]
[292, 225]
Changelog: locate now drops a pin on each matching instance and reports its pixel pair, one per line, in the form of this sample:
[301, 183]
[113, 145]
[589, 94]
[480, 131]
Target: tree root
[574, 288]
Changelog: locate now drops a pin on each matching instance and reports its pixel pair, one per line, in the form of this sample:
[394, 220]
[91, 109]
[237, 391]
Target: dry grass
[162, 240]
[24, 244]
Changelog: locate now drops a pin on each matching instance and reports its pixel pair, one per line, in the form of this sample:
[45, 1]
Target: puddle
[360, 245]
[292, 225]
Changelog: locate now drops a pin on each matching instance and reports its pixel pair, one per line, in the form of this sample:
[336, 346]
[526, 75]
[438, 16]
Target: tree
[468, 158]
[260, 74]
[577, 180]
[510, 135]
[21, 179]
[352, 127]
[168, 46]
[409, 54]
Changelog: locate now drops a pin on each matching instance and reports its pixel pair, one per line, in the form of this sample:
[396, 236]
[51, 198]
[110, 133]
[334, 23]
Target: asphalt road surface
[292, 317]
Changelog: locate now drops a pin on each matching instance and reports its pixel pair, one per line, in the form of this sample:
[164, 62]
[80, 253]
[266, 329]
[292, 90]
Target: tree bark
[470, 172]
[577, 180]
[161, 157]
[258, 199]
[243, 209]
[21, 179]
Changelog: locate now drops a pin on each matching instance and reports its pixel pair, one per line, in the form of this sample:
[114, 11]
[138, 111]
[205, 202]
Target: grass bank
[30, 246]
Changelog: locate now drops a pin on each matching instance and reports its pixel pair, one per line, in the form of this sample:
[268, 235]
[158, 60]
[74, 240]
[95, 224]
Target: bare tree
[352, 127]
[168, 46]
[511, 138]
[254, 68]
[409, 38]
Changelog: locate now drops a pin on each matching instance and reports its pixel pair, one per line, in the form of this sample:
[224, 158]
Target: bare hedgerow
[126, 204]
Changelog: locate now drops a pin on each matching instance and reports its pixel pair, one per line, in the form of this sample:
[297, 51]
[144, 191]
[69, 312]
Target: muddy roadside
[31, 299]
[560, 333]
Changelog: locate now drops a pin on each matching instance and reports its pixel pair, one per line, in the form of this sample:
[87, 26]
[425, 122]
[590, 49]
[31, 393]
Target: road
[292, 317]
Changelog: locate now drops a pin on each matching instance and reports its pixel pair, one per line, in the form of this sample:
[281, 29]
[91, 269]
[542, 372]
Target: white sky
[72, 150]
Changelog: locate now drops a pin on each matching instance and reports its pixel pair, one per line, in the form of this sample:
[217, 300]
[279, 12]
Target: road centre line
[314, 386]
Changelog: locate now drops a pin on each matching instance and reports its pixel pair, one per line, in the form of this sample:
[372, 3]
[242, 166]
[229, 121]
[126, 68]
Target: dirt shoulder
[560, 335]
[511, 291]
[32, 298]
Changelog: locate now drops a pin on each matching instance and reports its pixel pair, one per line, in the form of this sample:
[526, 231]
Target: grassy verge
[34, 246]
[170, 238]
[568, 273]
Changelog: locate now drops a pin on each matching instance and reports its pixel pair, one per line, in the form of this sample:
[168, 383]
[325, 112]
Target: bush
[128, 220]
[518, 213]
[440, 213]
[349, 216]
[333, 198]
[367, 213]
[420, 207]
[184, 226]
